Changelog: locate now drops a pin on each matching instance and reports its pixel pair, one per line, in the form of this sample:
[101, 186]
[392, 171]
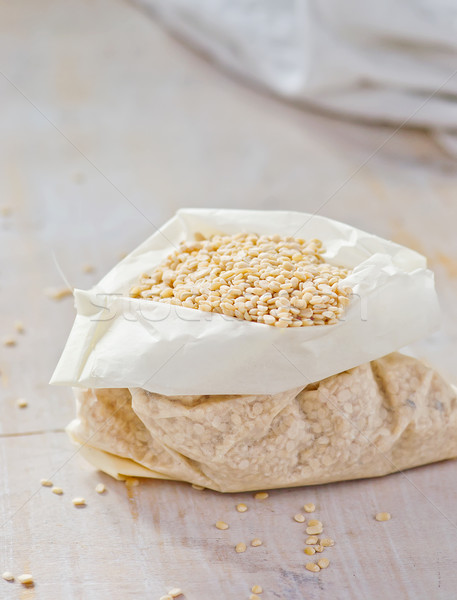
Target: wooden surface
[107, 127]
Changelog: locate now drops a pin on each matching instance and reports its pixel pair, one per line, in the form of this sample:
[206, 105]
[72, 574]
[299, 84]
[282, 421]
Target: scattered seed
[221, 525]
[261, 495]
[309, 550]
[25, 579]
[309, 508]
[319, 548]
[22, 403]
[241, 508]
[312, 540]
[256, 589]
[7, 576]
[323, 563]
[314, 529]
[383, 516]
[46, 482]
[241, 547]
[256, 542]
[58, 294]
[88, 268]
[167, 597]
[313, 522]
[57, 490]
[100, 488]
[175, 592]
[19, 326]
[9, 341]
[198, 487]
[299, 518]
[327, 542]
[79, 501]
[312, 567]
[254, 597]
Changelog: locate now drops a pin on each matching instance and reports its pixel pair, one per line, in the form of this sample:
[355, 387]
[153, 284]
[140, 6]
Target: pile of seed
[270, 279]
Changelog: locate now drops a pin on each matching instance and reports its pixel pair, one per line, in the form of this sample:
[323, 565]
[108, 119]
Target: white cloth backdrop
[373, 59]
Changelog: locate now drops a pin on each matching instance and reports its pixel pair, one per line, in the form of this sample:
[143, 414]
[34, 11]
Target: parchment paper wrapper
[175, 393]
[121, 342]
[388, 415]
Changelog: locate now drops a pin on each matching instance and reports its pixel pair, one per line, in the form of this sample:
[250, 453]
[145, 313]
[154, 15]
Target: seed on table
[79, 501]
[175, 592]
[19, 326]
[299, 518]
[22, 403]
[319, 548]
[221, 525]
[46, 482]
[9, 341]
[57, 490]
[254, 597]
[323, 563]
[309, 550]
[312, 567]
[261, 495]
[198, 487]
[309, 508]
[256, 542]
[100, 488]
[241, 547]
[313, 522]
[383, 516]
[241, 508]
[88, 268]
[58, 294]
[167, 597]
[327, 542]
[312, 540]
[25, 579]
[314, 529]
[7, 576]
[256, 589]
[132, 482]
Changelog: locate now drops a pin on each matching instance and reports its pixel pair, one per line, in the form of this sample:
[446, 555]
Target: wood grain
[107, 127]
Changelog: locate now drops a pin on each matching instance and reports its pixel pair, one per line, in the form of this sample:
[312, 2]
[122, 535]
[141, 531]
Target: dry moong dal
[390, 414]
[281, 281]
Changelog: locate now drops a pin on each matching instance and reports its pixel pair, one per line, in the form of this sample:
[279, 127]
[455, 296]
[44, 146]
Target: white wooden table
[107, 127]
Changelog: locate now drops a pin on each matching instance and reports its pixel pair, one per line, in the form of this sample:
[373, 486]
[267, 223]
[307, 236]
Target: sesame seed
[25, 579]
[88, 268]
[261, 495]
[309, 508]
[19, 326]
[254, 597]
[256, 589]
[312, 540]
[299, 518]
[46, 482]
[256, 542]
[9, 341]
[319, 548]
[175, 592]
[79, 501]
[314, 529]
[323, 563]
[198, 487]
[383, 516]
[241, 547]
[100, 488]
[58, 294]
[22, 403]
[309, 550]
[7, 576]
[327, 542]
[57, 490]
[132, 482]
[312, 567]
[241, 508]
[167, 597]
[221, 525]
[313, 522]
